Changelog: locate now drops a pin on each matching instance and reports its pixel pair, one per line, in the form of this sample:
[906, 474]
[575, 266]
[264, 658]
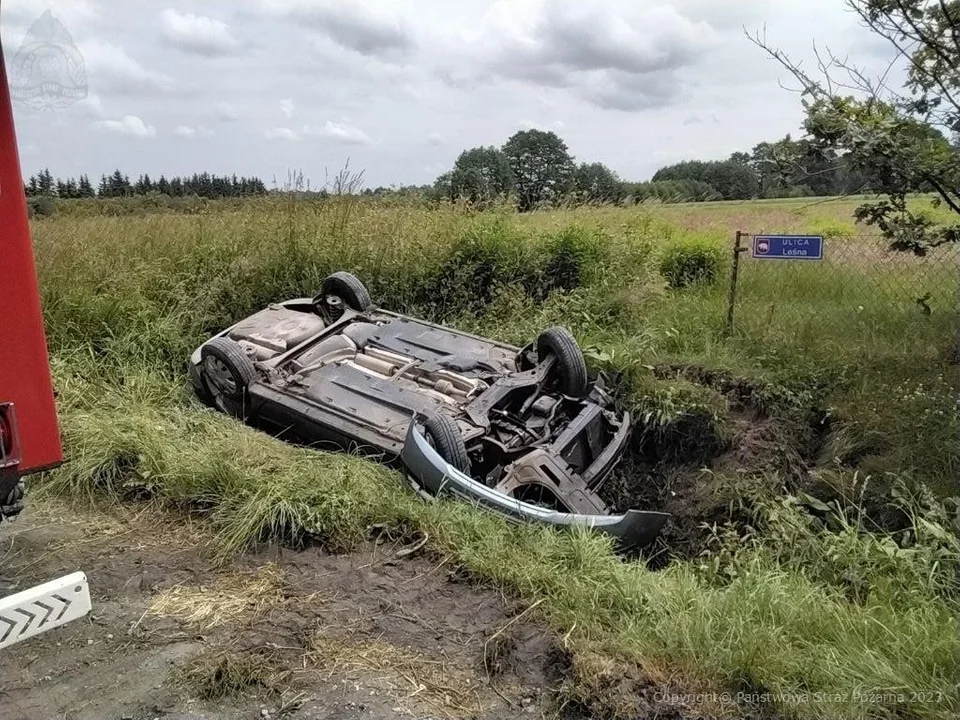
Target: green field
[809, 457]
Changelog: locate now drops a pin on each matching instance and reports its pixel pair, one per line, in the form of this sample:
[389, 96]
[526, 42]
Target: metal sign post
[769, 247]
[734, 271]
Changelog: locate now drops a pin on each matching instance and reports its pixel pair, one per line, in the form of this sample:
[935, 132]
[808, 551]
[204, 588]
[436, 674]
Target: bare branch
[810, 86]
[943, 193]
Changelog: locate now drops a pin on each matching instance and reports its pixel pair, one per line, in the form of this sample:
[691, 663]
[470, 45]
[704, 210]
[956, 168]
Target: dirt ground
[175, 634]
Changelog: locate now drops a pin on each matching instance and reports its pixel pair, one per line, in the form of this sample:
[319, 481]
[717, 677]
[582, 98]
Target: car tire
[571, 367]
[227, 373]
[445, 436]
[348, 288]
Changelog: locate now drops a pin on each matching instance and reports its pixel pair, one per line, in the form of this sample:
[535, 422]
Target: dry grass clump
[235, 598]
[412, 677]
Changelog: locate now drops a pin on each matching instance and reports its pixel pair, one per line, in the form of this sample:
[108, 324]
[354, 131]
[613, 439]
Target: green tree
[542, 167]
[775, 165]
[143, 186]
[595, 182]
[733, 179]
[671, 191]
[85, 189]
[442, 189]
[896, 140]
[481, 175]
[45, 182]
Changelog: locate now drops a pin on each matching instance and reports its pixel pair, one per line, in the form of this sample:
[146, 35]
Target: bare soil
[758, 447]
[177, 634]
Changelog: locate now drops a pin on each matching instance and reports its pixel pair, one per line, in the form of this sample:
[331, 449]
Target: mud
[275, 633]
[768, 445]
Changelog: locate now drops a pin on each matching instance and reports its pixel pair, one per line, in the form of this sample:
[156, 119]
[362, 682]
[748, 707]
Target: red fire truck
[29, 432]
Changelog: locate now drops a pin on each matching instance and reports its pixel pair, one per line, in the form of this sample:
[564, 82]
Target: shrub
[486, 258]
[575, 256]
[691, 261]
[42, 206]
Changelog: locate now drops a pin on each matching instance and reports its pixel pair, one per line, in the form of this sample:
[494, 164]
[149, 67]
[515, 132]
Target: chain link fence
[845, 281]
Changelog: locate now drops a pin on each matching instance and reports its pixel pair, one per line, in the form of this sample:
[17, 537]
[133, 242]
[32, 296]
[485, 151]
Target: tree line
[118, 184]
[535, 168]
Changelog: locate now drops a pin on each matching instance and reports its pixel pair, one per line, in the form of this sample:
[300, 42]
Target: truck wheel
[348, 288]
[444, 434]
[227, 373]
[571, 367]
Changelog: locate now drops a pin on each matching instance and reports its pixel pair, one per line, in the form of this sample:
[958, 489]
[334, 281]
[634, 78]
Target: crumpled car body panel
[632, 530]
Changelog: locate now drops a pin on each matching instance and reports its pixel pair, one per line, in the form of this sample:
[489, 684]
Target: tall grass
[801, 599]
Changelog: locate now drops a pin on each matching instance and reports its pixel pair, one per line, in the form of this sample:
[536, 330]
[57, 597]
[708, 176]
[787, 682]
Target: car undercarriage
[336, 371]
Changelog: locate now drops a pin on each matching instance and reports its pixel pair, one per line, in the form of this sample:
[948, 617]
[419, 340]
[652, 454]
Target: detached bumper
[633, 529]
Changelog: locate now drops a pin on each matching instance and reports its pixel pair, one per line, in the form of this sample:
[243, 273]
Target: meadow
[810, 455]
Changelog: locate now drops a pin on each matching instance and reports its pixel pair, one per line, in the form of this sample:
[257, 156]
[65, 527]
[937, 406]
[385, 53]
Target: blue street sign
[788, 247]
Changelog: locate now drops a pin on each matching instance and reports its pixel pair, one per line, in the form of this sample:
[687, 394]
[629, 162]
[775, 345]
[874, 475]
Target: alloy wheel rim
[220, 376]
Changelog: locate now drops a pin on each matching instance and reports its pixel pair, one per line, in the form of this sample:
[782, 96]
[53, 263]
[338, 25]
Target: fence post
[732, 295]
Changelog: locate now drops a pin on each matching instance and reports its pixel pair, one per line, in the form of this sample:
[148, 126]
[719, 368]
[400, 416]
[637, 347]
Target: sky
[398, 88]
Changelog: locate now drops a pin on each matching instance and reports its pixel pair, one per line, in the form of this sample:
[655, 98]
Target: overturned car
[519, 431]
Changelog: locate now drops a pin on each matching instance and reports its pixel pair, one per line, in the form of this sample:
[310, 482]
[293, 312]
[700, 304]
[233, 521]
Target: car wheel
[227, 372]
[571, 367]
[349, 289]
[444, 434]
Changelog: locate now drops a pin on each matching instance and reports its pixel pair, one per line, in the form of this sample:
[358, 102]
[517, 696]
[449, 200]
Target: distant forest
[118, 184]
[534, 169]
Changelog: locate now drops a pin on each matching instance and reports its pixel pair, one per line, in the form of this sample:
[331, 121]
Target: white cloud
[341, 132]
[436, 139]
[225, 112]
[197, 34]
[281, 133]
[370, 28]
[112, 71]
[130, 125]
[189, 132]
[619, 55]
[286, 107]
